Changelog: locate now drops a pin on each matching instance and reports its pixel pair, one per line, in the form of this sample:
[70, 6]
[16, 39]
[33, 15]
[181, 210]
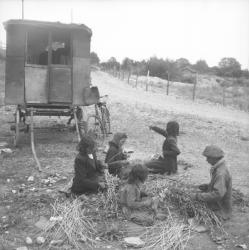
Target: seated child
[88, 169]
[136, 205]
[168, 162]
[115, 157]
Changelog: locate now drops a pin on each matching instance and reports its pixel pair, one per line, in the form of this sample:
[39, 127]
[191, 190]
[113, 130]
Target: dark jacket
[87, 171]
[167, 163]
[114, 153]
[219, 191]
[114, 158]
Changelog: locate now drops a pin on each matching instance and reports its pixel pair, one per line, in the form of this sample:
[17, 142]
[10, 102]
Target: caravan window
[37, 47]
[60, 47]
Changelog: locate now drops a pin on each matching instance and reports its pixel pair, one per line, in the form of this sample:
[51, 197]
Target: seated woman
[136, 205]
[168, 162]
[88, 169]
[115, 157]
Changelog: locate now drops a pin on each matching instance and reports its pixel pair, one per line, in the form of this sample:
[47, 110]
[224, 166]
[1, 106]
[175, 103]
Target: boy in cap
[218, 193]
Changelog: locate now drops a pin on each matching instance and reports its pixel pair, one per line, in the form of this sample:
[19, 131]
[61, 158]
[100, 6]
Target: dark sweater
[114, 158]
[169, 150]
[87, 171]
[114, 153]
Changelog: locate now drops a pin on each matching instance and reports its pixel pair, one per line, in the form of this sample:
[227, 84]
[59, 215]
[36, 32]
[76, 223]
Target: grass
[207, 89]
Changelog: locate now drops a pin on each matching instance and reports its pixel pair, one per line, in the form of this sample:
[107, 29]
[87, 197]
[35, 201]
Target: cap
[213, 151]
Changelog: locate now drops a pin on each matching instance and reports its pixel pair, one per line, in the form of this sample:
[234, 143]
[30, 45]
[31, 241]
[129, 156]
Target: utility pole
[22, 9]
[71, 15]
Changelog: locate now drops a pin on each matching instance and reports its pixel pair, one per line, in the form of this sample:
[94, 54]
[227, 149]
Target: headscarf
[172, 128]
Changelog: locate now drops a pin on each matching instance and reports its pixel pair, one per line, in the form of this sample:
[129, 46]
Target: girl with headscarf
[87, 168]
[167, 163]
[115, 157]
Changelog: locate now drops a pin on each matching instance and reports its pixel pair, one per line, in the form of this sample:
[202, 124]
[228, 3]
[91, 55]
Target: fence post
[168, 84]
[146, 86]
[136, 80]
[147, 81]
[195, 83]
[129, 75]
[223, 96]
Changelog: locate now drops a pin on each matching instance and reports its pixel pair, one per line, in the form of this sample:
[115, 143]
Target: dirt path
[200, 124]
[120, 91]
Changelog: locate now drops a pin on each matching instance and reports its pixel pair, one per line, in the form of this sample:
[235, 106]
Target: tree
[182, 63]
[157, 67]
[113, 63]
[245, 73]
[127, 64]
[172, 70]
[94, 58]
[201, 66]
[230, 67]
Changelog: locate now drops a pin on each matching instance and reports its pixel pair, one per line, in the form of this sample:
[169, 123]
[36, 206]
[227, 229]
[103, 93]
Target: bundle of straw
[177, 193]
[73, 226]
[110, 198]
[170, 234]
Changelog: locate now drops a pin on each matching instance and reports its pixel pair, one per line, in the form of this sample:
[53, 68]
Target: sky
[138, 29]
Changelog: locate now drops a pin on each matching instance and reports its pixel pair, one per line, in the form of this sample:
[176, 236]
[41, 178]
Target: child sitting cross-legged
[136, 205]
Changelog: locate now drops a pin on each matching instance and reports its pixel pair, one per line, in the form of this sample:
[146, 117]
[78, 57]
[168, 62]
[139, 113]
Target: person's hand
[148, 202]
[102, 185]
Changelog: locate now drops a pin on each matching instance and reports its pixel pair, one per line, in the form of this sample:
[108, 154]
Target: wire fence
[204, 88]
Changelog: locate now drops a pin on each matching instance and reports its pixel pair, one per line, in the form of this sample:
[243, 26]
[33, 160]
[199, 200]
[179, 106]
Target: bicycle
[99, 124]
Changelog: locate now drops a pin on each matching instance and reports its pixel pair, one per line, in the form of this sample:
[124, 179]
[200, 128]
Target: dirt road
[119, 91]
[133, 110]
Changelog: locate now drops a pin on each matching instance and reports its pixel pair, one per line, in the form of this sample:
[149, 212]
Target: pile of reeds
[239, 199]
[177, 193]
[109, 199]
[70, 225]
[170, 234]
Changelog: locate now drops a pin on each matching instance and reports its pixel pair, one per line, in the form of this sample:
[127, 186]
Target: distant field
[207, 89]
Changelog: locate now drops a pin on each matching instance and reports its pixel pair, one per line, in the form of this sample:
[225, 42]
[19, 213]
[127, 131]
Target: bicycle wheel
[95, 128]
[106, 119]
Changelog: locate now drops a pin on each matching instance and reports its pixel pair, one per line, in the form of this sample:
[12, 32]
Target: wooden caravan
[47, 63]
[47, 70]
